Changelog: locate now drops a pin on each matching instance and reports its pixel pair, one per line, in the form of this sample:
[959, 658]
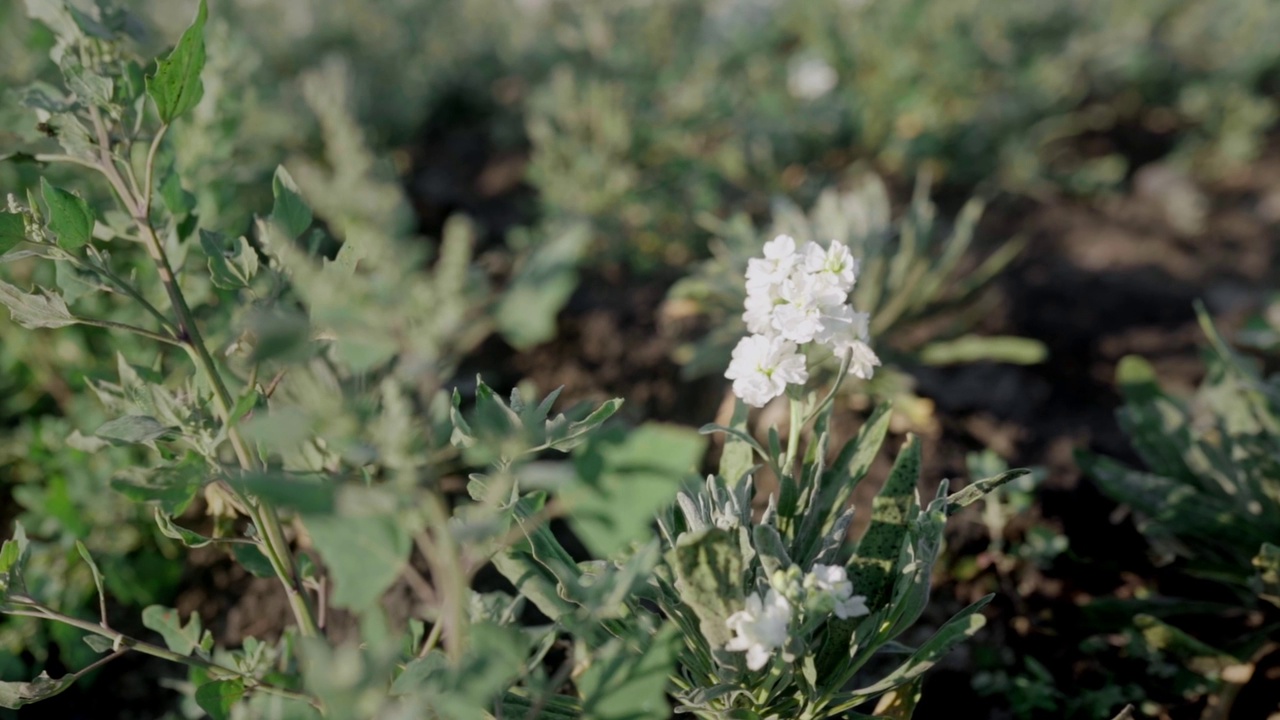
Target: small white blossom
[759, 629]
[834, 580]
[834, 267]
[810, 78]
[843, 330]
[763, 366]
[780, 258]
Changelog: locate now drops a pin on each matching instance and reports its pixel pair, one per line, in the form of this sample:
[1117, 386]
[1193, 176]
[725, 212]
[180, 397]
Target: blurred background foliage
[654, 140]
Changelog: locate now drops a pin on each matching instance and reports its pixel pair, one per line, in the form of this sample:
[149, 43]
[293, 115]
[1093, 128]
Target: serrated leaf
[134, 429]
[31, 311]
[364, 555]
[14, 695]
[13, 230]
[70, 218]
[182, 639]
[289, 212]
[176, 86]
[218, 697]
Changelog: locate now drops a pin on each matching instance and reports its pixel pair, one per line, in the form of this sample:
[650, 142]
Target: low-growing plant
[912, 278]
[290, 411]
[1209, 498]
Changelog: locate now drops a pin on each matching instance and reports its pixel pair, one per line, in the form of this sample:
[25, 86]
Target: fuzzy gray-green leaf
[31, 311]
[709, 572]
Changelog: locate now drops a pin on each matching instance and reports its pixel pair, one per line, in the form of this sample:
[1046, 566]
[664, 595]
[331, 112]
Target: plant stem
[121, 640]
[447, 575]
[275, 546]
[142, 332]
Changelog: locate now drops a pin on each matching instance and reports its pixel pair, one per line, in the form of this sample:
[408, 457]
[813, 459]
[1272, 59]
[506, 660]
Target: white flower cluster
[797, 296]
[761, 628]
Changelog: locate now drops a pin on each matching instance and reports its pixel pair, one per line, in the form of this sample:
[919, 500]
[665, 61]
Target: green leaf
[182, 639]
[872, 568]
[736, 459]
[170, 529]
[289, 212]
[253, 560]
[218, 697]
[963, 626]
[134, 429]
[364, 555]
[13, 230]
[31, 311]
[93, 566]
[976, 490]
[229, 269]
[98, 643]
[308, 494]
[14, 695]
[176, 86]
[526, 314]
[624, 479]
[621, 685]
[988, 348]
[13, 560]
[70, 218]
[567, 437]
[172, 486]
[709, 575]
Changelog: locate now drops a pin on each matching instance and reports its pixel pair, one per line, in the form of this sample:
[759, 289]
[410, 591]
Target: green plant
[290, 411]
[1210, 497]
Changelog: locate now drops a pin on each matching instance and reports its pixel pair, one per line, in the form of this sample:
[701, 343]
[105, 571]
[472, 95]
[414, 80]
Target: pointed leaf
[70, 218]
[290, 212]
[97, 574]
[14, 695]
[170, 529]
[218, 697]
[176, 86]
[365, 555]
[46, 310]
[133, 429]
[13, 230]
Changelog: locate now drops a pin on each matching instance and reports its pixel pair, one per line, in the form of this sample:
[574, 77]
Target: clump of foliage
[282, 398]
[1209, 498]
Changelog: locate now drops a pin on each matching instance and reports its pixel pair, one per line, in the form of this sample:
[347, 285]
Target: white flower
[780, 258]
[834, 580]
[834, 266]
[759, 314]
[759, 629]
[810, 78]
[845, 330]
[762, 367]
[802, 301]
